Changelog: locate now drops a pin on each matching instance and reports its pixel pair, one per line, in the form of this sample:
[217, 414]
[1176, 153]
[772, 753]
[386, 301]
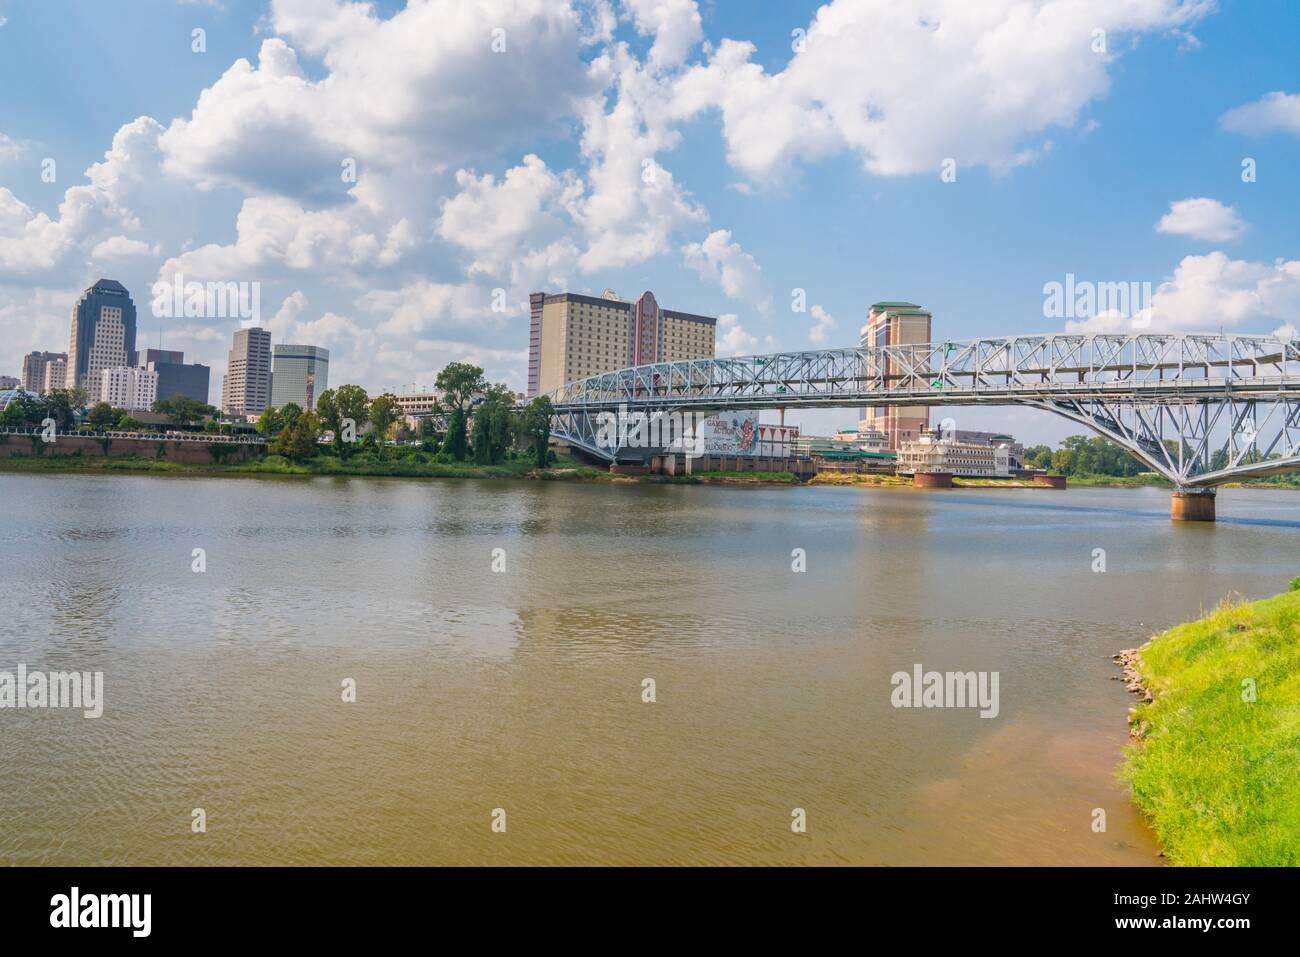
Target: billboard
[730, 433]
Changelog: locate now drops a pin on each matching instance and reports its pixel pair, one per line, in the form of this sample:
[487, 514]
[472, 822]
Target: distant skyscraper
[895, 324]
[175, 376]
[300, 374]
[571, 336]
[128, 387]
[103, 334]
[9, 382]
[246, 388]
[43, 371]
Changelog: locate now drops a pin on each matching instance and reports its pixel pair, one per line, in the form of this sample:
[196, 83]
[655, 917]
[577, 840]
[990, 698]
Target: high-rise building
[299, 375]
[246, 387]
[894, 324]
[572, 336]
[128, 387]
[175, 376]
[43, 371]
[103, 334]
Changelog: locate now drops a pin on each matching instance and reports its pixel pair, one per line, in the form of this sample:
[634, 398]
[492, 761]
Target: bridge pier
[1193, 505]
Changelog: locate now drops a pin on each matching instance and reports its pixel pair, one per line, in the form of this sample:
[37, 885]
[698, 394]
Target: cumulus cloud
[910, 83]
[823, 323]
[675, 25]
[122, 247]
[1275, 112]
[1210, 292]
[1202, 218]
[519, 217]
[719, 260]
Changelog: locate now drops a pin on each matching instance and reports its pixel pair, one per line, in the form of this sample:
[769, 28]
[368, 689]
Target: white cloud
[1202, 218]
[1275, 112]
[675, 25]
[719, 260]
[731, 339]
[10, 148]
[122, 247]
[823, 323]
[1210, 292]
[514, 222]
[908, 83]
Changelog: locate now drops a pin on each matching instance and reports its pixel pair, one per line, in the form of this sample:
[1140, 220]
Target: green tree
[58, 405]
[270, 422]
[300, 440]
[456, 442]
[537, 427]
[184, 411]
[384, 411]
[102, 416]
[352, 404]
[459, 383]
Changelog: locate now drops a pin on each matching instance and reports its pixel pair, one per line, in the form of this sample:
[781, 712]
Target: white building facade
[129, 387]
[972, 459]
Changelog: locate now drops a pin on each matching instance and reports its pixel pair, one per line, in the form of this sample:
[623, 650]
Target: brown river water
[521, 689]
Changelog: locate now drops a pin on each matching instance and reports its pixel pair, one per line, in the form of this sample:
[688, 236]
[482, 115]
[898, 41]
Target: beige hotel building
[895, 324]
[572, 336]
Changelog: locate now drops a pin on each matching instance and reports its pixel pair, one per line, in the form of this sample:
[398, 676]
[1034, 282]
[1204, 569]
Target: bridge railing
[917, 374]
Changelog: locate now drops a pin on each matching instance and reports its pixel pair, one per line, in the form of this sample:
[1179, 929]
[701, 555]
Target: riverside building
[894, 324]
[930, 453]
[573, 336]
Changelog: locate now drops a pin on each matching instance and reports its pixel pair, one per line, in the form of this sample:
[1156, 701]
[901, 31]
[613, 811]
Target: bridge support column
[1193, 505]
[932, 479]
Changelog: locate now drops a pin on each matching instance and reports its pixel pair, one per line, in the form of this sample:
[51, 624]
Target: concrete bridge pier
[1193, 505]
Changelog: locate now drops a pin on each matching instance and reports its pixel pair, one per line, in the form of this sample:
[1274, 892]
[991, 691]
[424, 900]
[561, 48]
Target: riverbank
[397, 467]
[1215, 760]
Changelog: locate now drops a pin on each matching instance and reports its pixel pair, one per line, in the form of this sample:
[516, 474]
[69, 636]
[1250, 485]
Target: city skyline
[615, 153]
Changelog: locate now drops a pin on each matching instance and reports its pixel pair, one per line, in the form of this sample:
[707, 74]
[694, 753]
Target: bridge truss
[1199, 409]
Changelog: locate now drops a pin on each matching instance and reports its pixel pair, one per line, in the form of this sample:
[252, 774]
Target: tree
[300, 440]
[327, 410]
[455, 443]
[58, 405]
[103, 416]
[384, 411]
[270, 422]
[351, 402]
[184, 411]
[537, 426]
[459, 382]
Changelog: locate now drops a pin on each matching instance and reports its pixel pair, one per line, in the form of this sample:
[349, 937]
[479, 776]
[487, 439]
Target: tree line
[482, 423]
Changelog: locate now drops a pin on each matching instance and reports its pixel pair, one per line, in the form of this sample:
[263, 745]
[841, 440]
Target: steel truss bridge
[1201, 410]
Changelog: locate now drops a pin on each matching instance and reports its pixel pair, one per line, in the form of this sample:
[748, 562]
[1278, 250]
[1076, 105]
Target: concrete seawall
[96, 447]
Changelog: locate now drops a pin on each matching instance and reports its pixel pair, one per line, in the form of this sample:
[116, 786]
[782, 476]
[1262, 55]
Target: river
[521, 688]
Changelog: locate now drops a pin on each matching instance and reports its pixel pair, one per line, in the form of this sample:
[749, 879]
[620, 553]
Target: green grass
[393, 464]
[733, 477]
[1219, 777]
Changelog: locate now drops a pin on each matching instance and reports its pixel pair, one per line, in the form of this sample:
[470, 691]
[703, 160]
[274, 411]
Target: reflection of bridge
[1199, 409]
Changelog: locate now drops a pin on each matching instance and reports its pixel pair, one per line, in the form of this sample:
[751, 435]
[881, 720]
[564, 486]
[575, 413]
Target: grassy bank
[1219, 776]
[396, 466]
[401, 464]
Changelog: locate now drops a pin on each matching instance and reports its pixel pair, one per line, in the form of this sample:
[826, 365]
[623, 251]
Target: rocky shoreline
[1128, 660]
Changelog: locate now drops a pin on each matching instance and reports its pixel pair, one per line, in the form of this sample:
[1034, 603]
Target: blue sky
[772, 170]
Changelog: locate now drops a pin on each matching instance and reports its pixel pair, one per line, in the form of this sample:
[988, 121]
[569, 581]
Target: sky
[396, 177]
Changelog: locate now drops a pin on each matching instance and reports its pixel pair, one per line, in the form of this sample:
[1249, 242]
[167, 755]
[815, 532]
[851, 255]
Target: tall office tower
[37, 370]
[103, 334]
[175, 376]
[572, 336]
[299, 375]
[246, 388]
[895, 324]
[128, 387]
